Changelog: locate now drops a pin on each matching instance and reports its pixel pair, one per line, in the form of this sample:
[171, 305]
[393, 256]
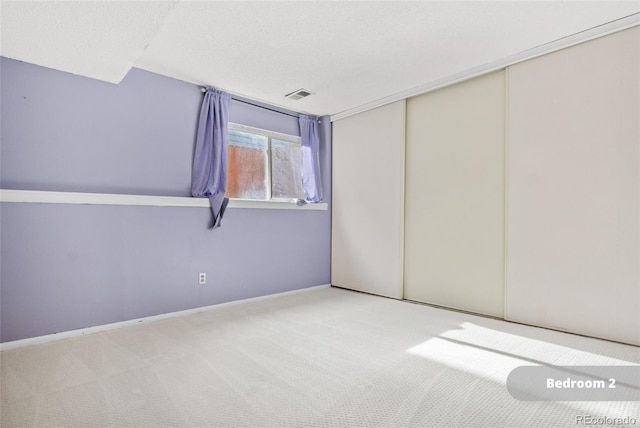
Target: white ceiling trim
[584, 36]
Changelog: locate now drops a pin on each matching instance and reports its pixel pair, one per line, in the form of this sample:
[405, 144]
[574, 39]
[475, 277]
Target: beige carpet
[322, 358]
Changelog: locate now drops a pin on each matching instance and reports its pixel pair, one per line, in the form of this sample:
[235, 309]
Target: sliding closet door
[454, 229]
[574, 138]
[367, 204]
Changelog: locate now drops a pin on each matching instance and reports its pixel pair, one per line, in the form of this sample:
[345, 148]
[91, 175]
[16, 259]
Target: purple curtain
[311, 179]
[209, 174]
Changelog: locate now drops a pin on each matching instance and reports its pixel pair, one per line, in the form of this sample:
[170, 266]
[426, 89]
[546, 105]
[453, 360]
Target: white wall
[368, 201]
[454, 242]
[573, 183]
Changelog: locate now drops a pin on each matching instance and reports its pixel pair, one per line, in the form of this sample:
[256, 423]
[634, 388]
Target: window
[263, 165]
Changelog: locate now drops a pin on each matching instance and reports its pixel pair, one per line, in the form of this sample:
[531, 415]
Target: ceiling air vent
[296, 95]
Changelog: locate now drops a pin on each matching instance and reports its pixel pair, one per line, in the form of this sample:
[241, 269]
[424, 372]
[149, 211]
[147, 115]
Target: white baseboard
[114, 326]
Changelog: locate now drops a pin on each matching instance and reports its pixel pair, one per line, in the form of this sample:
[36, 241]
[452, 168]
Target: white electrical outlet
[202, 278]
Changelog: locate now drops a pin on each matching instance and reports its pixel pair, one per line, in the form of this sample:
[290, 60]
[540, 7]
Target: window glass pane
[246, 165]
[286, 170]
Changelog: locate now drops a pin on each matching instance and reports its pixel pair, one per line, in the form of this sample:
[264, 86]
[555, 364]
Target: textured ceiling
[348, 53]
[94, 39]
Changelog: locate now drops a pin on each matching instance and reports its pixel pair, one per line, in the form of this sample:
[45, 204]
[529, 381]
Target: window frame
[268, 168]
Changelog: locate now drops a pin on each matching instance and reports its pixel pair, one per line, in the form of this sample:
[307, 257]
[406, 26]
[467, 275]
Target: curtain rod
[258, 105]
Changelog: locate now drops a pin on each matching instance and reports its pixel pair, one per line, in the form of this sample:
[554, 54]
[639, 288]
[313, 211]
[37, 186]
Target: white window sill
[45, 197]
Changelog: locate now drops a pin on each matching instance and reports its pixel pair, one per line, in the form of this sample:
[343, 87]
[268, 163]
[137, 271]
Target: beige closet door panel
[454, 229]
[573, 216]
[367, 204]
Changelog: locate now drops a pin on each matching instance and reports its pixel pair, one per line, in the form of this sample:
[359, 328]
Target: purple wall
[65, 267]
